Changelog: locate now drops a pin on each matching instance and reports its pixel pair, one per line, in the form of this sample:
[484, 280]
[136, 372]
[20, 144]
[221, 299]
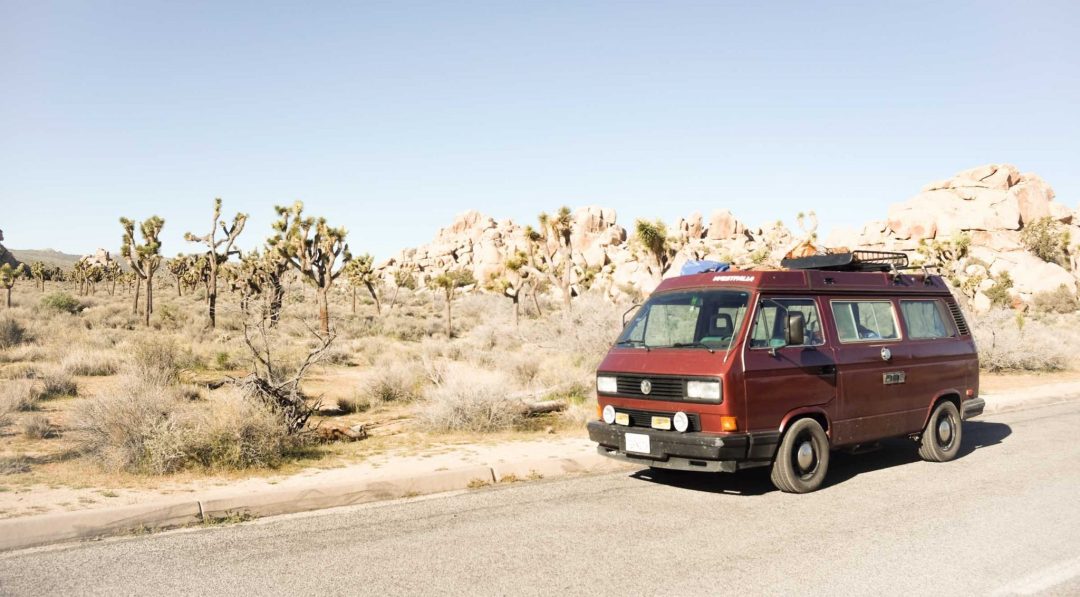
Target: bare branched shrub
[14, 465]
[471, 400]
[1009, 342]
[12, 333]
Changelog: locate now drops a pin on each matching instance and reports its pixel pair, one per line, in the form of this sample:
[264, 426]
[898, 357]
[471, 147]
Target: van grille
[958, 317]
[643, 418]
[662, 387]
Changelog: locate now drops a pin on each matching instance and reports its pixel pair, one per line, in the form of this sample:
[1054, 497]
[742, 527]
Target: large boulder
[723, 225]
[1030, 274]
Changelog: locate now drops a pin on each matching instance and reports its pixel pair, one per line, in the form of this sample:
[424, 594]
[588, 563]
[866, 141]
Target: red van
[729, 370]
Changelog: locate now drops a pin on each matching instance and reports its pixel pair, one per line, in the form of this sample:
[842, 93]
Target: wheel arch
[950, 395]
[809, 412]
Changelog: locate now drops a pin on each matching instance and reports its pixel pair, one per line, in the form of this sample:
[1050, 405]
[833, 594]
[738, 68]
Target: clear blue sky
[391, 117]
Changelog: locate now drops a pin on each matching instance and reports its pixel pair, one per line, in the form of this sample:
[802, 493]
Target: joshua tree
[178, 266]
[8, 275]
[653, 237]
[512, 281]
[449, 282]
[218, 251]
[403, 278]
[313, 248]
[555, 251]
[37, 269]
[143, 259]
[361, 272]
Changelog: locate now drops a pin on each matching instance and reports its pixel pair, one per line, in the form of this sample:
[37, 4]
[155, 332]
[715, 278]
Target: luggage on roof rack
[854, 261]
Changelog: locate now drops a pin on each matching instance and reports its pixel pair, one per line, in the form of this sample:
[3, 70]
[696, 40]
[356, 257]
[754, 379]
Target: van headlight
[609, 414]
[606, 384]
[703, 390]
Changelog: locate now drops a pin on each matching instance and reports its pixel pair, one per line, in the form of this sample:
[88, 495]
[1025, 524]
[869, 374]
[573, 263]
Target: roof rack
[854, 261]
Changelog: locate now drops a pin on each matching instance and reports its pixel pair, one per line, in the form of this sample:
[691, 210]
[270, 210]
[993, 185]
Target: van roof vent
[853, 261]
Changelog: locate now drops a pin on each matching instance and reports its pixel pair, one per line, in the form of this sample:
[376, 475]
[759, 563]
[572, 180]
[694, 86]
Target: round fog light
[681, 421]
[609, 414]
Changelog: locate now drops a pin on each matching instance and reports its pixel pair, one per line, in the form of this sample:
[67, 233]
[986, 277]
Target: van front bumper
[712, 452]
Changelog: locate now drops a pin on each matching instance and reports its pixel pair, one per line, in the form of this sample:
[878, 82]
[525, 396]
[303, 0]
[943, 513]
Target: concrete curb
[35, 531]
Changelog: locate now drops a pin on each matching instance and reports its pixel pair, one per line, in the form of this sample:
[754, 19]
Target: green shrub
[999, 292]
[62, 302]
[1047, 239]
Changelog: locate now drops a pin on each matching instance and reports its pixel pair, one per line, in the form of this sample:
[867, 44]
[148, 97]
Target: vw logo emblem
[646, 386]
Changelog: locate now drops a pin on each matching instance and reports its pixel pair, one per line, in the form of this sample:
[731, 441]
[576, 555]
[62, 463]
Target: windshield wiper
[694, 345]
[640, 343]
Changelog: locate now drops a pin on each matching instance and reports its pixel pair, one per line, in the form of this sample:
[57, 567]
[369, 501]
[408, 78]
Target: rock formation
[975, 220]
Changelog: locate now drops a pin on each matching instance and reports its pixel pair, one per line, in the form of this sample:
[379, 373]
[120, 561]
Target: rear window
[862, 321]
[926, 319]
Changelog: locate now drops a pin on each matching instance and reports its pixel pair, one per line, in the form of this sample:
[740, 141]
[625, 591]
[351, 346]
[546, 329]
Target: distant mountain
[47, 256]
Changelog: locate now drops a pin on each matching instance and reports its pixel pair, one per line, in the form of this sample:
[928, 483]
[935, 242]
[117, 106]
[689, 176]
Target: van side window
[771, 315]
[865, 320]
[926, 319]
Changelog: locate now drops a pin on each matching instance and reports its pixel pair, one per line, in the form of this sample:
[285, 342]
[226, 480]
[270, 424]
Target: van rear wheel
[802, 459]
[940, 441]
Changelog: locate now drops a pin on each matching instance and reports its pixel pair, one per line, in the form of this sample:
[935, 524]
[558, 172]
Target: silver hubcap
[944, 430]
[805, 455]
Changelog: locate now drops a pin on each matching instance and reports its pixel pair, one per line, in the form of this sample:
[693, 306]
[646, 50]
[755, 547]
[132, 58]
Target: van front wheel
[803, 458]
[940, 441]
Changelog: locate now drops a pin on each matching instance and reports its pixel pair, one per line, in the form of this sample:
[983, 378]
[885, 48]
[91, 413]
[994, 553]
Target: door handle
[828, 370]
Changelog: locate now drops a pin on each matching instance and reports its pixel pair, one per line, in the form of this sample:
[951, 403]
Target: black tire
[789, 473]
[940, 441]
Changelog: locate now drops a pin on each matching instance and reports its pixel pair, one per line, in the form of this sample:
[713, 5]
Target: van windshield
[706, 319]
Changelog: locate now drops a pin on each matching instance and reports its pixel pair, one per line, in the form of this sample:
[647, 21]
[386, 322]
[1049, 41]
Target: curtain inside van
[925, 319]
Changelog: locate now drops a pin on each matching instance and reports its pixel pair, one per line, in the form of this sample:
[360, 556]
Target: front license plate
[661, 423]
[636, 442]
[622, 419]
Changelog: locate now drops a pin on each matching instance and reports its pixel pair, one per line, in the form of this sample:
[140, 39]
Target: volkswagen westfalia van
[726, 370]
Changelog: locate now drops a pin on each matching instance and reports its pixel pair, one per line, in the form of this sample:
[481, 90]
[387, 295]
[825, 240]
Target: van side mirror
[795, 332]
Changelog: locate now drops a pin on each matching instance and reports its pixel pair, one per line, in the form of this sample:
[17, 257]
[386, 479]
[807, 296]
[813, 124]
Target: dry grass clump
[1007, 341]
[395, 381]
[1060, 300]
[56, 381]
[155, 361]
[12, 333]
[18, 395]
[37, 427]
[14, 465]
[151, 429]
[91, 363]
[471, 400]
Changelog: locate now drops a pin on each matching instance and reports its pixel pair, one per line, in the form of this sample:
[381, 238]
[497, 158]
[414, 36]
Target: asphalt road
[1002, 519]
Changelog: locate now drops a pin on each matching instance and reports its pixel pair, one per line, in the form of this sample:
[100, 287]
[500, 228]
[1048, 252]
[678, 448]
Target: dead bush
[55, 381]
[12, 333]
[395, 381]
[14, 465]
[18, 395]
[37, 427]
[151, 429]
[1008, 341]
[1061, 300]
[155, 361]
[471, 400]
